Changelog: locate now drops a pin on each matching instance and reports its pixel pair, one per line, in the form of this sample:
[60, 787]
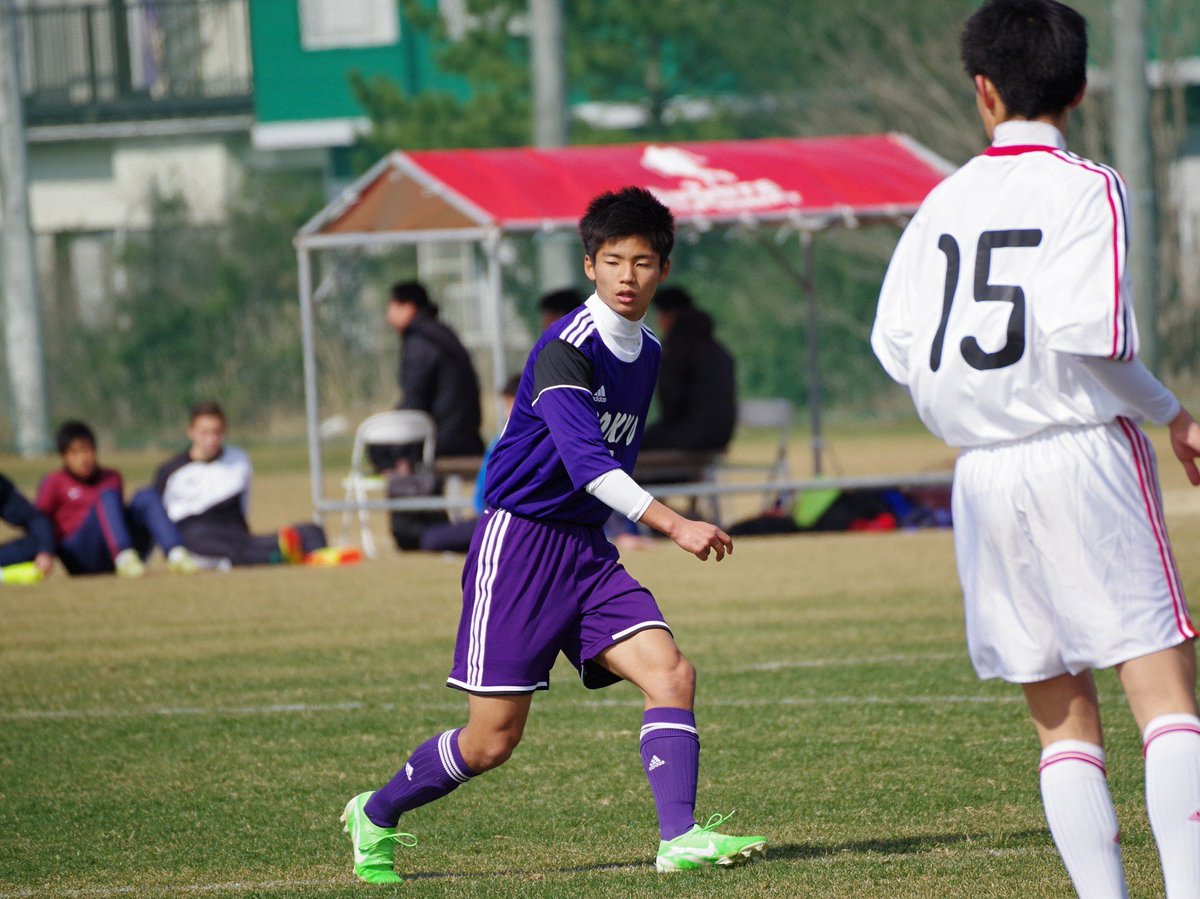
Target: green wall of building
[294, 84]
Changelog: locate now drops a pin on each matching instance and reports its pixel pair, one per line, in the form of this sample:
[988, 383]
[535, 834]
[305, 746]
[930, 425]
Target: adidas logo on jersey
[655, 762]
[599, 396]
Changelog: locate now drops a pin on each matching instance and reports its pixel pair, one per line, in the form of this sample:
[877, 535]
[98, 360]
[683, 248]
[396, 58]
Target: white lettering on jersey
[618, 427]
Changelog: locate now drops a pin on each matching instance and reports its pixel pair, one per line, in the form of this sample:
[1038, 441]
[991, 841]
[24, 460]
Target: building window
[330, 24]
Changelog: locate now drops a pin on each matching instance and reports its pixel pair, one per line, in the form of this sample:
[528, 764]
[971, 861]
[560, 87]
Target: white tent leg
[491, 247]
[814, 353]
[311, 400]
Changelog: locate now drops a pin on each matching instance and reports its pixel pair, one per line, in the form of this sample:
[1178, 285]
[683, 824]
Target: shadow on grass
[913, 845]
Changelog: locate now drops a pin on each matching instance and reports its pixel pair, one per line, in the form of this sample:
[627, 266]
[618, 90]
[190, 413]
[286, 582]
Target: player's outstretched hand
[697, 537]
[1185, 441]
[700, 538]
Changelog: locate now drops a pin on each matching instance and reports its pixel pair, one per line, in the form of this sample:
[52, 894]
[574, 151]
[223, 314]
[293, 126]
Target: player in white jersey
[1006, 312]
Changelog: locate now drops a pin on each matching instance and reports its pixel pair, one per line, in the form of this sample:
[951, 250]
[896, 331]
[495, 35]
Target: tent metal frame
[488, 233]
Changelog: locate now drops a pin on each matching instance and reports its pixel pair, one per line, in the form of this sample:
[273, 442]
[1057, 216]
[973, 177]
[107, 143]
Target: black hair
[1034, 51]
[561, 301]
[70, 431]
[511, 385]
[206, 407]
[673, 299]
[413, 292]
[628, 212]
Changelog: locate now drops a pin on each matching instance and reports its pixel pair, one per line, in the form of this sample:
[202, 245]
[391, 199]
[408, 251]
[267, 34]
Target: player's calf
[1172, 747]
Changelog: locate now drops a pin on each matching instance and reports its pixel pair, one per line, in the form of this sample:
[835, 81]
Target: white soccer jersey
[189, 487]
[1013, 267]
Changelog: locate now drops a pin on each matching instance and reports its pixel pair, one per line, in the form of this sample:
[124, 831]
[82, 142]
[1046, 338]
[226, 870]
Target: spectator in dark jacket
[697, 390]
[557, 303]
[37, 546]
[436, 374]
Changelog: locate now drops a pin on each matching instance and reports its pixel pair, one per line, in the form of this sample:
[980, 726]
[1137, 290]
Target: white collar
[622, 337]
[1020, 132]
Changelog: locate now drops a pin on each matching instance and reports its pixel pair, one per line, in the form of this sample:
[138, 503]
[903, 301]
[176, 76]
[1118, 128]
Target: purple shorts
[533, 589]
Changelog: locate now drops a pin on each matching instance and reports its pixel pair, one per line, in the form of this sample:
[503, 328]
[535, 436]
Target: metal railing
[116, 60]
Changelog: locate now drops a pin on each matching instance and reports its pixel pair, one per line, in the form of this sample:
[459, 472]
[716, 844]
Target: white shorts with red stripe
[1063, 553]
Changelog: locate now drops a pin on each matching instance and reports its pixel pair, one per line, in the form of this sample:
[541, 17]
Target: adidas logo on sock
[655, 762]
[408, 769]
[1194, 816]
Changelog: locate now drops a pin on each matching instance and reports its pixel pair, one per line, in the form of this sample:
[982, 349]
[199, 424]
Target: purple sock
[435, 768]
[671, 756]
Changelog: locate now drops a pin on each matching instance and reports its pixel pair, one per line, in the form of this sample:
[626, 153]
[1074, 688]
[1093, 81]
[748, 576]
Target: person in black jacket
[37, 546]
[697, 389]
[436, 374]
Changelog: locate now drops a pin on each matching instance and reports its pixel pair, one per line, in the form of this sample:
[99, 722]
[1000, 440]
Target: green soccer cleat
[129, 564]
[180, 561]
[374, 846]
[703, 847]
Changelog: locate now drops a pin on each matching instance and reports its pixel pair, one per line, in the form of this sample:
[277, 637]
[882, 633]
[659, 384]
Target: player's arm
[1085, 301]
[48, 497]
[161, 474]
[562, 397]
[623, 494]
[892, 332]
[696, 537]
[246, 470]
[1134, 385]
[18, 511]
[1185, 442]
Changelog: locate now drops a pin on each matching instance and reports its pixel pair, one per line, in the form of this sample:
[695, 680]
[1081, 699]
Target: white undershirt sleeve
[620, 492]
[1133, 384]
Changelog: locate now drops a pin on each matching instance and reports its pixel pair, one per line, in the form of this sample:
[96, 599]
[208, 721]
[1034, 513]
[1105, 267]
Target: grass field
[199, 736]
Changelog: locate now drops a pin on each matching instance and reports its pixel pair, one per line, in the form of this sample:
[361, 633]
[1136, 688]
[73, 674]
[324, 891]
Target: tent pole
[805, 278]
[304, 263]
[814, 347]
[491, 247]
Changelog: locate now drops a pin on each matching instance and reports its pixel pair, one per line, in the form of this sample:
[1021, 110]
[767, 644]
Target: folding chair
[399, 426]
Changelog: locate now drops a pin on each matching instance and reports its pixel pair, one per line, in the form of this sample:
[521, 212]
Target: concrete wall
[106, 185]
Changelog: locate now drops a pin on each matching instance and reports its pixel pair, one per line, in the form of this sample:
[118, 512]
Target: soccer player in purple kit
[540, 577]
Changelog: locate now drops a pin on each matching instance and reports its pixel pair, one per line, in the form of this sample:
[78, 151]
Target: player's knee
[676, 686]
[491, 750]
[685, 675]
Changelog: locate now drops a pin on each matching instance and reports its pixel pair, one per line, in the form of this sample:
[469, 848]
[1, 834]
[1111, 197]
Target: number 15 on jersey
[985, 292]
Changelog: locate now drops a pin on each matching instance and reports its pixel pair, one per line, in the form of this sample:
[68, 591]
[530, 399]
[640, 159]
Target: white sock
[1172, 747]
[1082, 819]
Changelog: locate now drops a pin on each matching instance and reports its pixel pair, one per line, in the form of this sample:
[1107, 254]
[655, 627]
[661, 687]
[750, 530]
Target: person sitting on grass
[30, 558]
[96, 532]
[205, 490]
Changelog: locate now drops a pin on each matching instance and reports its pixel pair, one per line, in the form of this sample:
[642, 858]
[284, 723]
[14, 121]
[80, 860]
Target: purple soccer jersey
[540, 577]
[580, 411]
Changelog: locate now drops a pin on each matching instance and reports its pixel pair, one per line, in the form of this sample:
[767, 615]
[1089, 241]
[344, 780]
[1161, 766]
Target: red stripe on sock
[1170, 729]
[1072, 757]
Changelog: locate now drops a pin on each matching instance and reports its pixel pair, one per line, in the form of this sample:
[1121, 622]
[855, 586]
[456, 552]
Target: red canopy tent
[808, 184]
